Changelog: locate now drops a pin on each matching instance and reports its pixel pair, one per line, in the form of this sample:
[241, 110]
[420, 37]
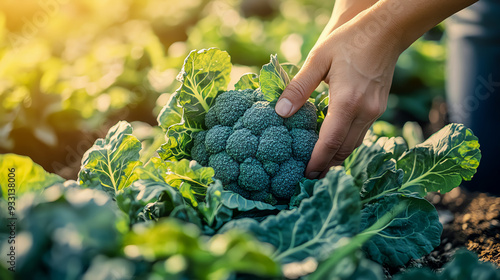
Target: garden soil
[470, 220]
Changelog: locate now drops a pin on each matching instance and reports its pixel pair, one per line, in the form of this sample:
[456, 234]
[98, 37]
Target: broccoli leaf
[235, 201]
[214, 213]
[364, 162]
[179, 142]
[134, 198]
[27, 176]
[316, 227]
[190, 178]
[273, 79]
[248, 81]
[111, 161]
[204, 74]
[412, 233]
[442, 161]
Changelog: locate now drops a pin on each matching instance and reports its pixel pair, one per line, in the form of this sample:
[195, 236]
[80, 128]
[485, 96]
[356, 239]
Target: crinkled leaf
[386, 179]
[248, 81]
[367, 158]
[190, 178]
[442, 161]
[27, 175]
[112, 160]
[214, 213]
[273, 79]
[414, 232]
[235, 201]
[179, 142]
[165, 201]
[316, 227]
[133, 199]
[204, 74]
[305, 190]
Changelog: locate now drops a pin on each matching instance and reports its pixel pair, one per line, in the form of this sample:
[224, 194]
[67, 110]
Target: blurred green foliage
[71, 69]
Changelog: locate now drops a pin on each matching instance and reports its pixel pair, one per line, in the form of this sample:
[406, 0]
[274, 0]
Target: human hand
[358, 65]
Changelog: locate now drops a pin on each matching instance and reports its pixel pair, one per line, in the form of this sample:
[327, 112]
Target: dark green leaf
[414, 232]
[316, 227]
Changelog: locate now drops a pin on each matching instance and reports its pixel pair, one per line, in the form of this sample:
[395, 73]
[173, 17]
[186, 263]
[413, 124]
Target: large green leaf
[273, 79]
[20, 175]
[111, 161]
[412, 233]
[204, 74]
[316, 227]
[442, 161]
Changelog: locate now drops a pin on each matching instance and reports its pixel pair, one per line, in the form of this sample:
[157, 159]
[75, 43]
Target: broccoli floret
[230, 106]
[261, 116]
[284, 183]
[253, 151]
[211, 119]
[304, 118]
[303, 143]
[252, 175]
[234, 187]
[199, 152]
[216, 138]
[275, 144]
[271, 167]
[264, 196]
[242, 144]
[225, 167]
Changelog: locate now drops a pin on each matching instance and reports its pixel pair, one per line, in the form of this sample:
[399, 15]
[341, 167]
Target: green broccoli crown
[253, 151]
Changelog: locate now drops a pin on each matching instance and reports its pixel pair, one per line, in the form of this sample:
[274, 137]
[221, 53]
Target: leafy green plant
[175, 219]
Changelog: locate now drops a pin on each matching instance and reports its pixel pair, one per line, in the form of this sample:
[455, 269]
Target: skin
[356, 56]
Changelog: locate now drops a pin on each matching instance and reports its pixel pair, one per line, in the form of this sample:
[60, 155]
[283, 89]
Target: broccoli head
[253, 151]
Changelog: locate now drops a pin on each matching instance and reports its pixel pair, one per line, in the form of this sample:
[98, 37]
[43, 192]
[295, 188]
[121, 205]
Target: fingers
[301, 87]
[342, 131]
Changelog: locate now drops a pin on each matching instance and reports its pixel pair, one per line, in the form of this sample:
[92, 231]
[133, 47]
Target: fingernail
[313, 175]
[283, 107]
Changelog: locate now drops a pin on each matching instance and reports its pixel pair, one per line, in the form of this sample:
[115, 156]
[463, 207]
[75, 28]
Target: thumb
[299, 89]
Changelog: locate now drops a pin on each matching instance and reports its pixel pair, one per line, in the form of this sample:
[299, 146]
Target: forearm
[343, 11]
[408, 20]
